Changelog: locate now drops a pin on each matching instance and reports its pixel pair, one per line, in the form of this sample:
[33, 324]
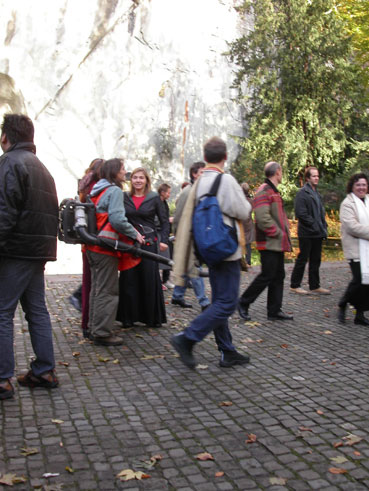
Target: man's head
[273, 171]
[164, 191]
[16, 128]
[312, 176]
[196, 169]
[215, 151]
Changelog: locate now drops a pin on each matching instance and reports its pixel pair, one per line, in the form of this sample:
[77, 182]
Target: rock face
[141, 79]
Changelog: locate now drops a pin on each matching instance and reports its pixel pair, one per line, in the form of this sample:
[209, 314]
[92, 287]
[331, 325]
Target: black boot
[184, 347]
[361, 319]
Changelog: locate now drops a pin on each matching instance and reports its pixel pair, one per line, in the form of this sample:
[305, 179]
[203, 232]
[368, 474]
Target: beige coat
[351, 229]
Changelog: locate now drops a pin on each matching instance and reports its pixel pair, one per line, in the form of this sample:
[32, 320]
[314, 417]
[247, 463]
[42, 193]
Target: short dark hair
[308, 171]
[110, 169]
[18, 128]
[194, 169]
[355, 178]
[163, 188]
[271, 168]
[215, 150]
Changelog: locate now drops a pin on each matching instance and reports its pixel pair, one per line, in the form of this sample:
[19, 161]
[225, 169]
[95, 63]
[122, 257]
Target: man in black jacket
[28, 229]
[311, 230]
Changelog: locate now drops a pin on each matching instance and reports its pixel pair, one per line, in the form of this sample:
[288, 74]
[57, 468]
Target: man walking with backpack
[224, 276]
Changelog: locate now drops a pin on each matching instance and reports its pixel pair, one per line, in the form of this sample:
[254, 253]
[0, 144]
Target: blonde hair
[148, 180]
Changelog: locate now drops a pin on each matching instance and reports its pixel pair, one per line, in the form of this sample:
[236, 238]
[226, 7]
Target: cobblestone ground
[295, 418]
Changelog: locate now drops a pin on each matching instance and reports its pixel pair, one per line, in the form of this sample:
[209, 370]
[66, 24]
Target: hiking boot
[107, 340]
[232, 358]
[47, 380]
[6, 389]
[299, 290]
[184, 347]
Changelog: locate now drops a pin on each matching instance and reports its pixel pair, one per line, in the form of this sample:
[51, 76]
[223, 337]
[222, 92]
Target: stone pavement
[296, 418]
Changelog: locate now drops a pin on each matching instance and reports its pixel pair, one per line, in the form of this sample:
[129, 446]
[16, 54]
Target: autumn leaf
[116, 361]
[337, 470]
[357, 453]
[151, 357]
[202, 367]
[63, 363]
[340, 459]
[337, 444]
[129, 474]
[284, 346]
[351, 439]
[26, 451]
[319, 412]
[303, 428]
[219, 474]
[10, 479]
[204, 456]
[103, 359]
[327, 332]
[251, 438]
[279, 481]
[69, 469]
[57, 421]
[76, 353]
[226, 403]
[139, 336]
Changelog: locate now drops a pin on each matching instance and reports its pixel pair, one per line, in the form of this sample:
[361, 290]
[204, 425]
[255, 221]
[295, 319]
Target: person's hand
[163, 247]
[171, 219]
[140, 238]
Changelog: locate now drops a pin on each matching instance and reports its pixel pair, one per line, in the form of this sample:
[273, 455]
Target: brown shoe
[48, 380]
[107, 340]
[320, 291]
[6, 389]
[299, 290]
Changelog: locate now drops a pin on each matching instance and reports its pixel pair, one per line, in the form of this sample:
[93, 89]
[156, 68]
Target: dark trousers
[23, 280]
[310, 250]
[356, 294]
[225, 282]
[271, 276]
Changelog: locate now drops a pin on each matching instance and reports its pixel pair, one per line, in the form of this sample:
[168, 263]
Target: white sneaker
[170, 285]
[299, 290]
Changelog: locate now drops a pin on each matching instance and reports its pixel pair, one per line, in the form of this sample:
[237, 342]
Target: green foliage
[299, 91]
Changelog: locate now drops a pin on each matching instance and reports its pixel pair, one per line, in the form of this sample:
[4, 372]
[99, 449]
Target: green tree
[299, 90]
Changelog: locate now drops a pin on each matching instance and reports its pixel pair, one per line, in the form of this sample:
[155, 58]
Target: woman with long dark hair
[140, 291]
[354, 216]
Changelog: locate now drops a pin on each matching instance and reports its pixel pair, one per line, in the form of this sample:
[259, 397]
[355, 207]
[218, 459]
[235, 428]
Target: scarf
[362, 208]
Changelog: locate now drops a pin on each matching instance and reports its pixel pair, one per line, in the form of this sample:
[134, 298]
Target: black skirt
[140, 293]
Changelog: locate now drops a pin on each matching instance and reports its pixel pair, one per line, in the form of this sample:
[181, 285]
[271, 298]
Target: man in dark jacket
[311, 230]
[28, 229]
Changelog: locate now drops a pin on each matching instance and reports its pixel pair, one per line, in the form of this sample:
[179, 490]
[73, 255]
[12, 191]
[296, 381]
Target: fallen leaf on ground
[151, 357]
[116, 361]
[327, 332]
[303, 428]
[103, 359]
[69, 469]
[26, 451]
[204, 456]
[202, 367]
[357, 453]
[319, 412]
[337, 470]
[284, 346]
[351, 439]
[76, 353]
[63, 363]
[340, 459]
[129, 474]
[251, 438]
[338, 444]
[139, 336]
[57, 421]
[219, 474]
[10, 479]
[279, 481]
[50, 474]
[226, 403]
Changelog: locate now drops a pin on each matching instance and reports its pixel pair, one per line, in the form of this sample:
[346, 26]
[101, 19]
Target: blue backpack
[214, 240]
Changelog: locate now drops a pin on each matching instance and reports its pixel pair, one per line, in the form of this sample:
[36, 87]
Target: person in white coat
[354, 216]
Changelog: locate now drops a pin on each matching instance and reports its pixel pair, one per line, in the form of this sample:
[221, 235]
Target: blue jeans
[198, 288]
[225, 282]
[22, 280]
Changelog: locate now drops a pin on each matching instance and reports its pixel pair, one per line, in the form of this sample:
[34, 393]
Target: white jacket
[351, 229]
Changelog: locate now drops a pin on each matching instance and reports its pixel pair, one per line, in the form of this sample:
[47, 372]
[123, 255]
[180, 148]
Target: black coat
[140, 290]
[28, 206]
[310, 213]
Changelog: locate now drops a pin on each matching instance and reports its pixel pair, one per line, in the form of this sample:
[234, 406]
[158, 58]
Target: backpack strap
[214, 188]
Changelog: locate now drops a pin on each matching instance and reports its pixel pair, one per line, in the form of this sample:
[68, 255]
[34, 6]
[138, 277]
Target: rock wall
[140, 79]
